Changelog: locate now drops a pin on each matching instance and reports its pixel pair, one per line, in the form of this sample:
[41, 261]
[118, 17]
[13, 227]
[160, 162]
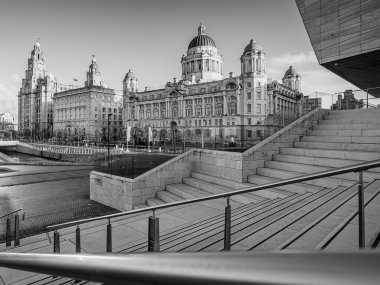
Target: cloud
[15, 78]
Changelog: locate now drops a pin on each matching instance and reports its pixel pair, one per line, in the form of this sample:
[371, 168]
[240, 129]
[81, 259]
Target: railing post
[17, 230]
[77, 240]
[361, 211]
[57, 246]
[227, 226]
[109, 237]
[153, 234]
[8, 234]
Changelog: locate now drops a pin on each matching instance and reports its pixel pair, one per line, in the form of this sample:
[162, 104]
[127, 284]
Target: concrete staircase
[320, 220]
[342, 138]
[319, 214]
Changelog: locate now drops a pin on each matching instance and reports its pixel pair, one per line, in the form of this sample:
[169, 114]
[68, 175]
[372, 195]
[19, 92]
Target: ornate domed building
[205, 106]
[202, 63]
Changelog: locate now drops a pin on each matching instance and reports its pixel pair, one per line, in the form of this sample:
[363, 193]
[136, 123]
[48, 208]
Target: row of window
[202, 65]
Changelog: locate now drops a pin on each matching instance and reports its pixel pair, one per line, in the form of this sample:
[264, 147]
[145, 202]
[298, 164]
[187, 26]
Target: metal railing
[153, 223]
[8, 232]
[220, 268]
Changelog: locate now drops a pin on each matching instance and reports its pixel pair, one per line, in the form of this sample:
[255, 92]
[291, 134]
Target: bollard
[227, 226]
[361, 211]
[8, 234]
[153, 234]
[77, 240]
[109, 237]
[57, 246]
[17, 230]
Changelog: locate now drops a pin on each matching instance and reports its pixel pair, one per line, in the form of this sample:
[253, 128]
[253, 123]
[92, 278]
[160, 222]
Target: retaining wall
[125, 194]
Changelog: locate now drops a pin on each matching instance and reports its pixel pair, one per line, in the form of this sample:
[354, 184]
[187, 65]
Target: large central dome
[202, 39]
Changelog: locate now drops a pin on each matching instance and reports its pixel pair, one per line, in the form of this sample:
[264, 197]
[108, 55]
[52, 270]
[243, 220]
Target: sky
[149, 37]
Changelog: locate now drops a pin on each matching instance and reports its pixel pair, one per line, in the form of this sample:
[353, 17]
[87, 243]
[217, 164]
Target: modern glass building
[345, 35]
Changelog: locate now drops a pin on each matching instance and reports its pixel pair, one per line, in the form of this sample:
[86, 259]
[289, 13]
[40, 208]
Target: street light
[109, 123]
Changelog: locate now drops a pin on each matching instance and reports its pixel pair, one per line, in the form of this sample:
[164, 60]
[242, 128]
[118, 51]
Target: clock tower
[35, 110]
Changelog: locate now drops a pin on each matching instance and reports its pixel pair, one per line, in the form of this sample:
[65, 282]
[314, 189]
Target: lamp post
[109, 123]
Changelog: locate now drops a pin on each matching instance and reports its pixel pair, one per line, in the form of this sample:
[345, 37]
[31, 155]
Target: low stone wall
[124, 194]
[256, 156]
[64, 153]
[227, 165]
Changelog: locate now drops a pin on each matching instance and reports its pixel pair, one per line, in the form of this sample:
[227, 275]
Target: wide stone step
[218, 189]
[168, 197]
[185, 233]
[187, 236]
[188, 192]
[310, 169]
[372, 147]
[353, 114]
[212, 239]
[268, 193]
[217, 180]
[299, 188]
[271, 193]
[341, 139]
[246, 227]
[369, 175]
[154, 202]
[368, 133]
[313, 160]
[318, 235]
[357, 126]
[285, 174]
[341, 154]
[358, 120]
[348, 237]
[279, 232]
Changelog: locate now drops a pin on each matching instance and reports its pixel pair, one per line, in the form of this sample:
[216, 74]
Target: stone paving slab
[93, 237]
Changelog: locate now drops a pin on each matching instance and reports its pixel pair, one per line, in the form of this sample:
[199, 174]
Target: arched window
[230, 86]
[163, 113]
[204, 122]
[141, 114]
[189, 112]
[148, 114]
[175, 112]
[232, 105]
[198, 111]
[219, 109]
[208, 110]
[155, 113]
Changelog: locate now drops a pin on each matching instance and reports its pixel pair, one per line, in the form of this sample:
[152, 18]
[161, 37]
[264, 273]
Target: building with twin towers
[205, 106]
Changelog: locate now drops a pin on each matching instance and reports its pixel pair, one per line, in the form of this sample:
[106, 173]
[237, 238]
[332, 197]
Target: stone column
[213, 106]
[225, 107]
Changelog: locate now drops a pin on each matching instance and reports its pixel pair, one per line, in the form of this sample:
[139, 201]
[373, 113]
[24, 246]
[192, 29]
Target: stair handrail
[326, 173]
[12, 212]
[323, 268]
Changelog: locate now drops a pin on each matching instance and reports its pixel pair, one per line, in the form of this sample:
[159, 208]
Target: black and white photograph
[189, 142]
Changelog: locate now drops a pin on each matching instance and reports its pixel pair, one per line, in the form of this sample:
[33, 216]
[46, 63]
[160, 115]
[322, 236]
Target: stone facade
[205, 105]
[35, 98]
[84, 113]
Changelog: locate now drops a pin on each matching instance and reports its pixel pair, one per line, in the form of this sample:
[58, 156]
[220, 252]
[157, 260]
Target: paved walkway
[93, 236]
[48, 195]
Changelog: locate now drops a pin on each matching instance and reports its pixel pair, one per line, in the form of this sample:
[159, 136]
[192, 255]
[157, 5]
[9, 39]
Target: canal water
[23, 157]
